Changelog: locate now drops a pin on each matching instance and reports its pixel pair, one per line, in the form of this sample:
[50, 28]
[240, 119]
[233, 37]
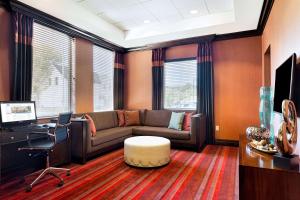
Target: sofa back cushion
[104, 120]
[158, 118]
[132, 118]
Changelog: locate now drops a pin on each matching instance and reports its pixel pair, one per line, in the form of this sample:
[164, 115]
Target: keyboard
[29, 128]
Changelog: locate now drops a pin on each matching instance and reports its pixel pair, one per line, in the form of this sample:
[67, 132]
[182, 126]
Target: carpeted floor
[212, 174]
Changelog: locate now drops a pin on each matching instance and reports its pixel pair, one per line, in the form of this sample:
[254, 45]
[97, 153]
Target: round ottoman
[147, 151]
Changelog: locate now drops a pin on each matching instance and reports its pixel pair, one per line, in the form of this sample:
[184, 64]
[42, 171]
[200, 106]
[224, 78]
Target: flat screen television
[284, 82]
[14, 113]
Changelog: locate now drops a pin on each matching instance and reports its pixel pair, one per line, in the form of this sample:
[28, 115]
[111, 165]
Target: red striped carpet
[212, 174]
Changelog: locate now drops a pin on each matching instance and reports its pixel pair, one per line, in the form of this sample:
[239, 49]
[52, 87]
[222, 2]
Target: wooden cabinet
[260, 178]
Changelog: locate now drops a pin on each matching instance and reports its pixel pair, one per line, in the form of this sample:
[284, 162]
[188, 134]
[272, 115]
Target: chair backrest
[61, 130]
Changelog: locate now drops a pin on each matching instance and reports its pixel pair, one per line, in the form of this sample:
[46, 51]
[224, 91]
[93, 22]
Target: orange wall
[83, 76]
[237, 79]
[237, 65]
[282, 33]
[138, 82]
[184, 51]
[5, 54]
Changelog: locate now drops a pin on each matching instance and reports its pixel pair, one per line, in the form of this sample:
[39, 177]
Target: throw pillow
[187, 121]
[176, 121]
[121, 117]
[92, 124]
[132, 118]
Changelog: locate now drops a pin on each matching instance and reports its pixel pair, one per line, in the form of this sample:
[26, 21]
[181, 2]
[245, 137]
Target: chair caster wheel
[28, 188]
[68, 173]
[60, 184]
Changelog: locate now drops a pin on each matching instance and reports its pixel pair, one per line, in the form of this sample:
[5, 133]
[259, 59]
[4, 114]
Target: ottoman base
[149, 164]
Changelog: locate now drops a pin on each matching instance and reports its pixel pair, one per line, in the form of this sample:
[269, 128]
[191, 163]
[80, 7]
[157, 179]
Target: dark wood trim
[264, 15]
[5, 4]
[233, 143]
[174, 43]
[60, 25]
[242, 34]
[181, 59]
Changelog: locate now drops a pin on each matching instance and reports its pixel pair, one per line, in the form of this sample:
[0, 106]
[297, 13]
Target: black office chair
[60, 134]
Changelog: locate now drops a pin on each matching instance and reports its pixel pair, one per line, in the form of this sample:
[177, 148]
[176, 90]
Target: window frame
[164, 94]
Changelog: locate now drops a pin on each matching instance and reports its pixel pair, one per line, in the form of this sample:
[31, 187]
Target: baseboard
[233, 143]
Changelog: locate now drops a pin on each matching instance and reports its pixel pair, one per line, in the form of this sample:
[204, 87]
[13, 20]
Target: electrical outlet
[217, 128]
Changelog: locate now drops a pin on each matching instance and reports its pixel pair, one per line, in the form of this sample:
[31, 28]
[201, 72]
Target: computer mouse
[45, 126]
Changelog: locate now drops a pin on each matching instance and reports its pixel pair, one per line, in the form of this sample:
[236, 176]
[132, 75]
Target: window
[103, 66]
[51, 61]
[180, 84]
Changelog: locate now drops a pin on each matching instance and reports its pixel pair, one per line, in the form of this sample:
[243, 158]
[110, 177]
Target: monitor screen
[284, 82]
[17, 112]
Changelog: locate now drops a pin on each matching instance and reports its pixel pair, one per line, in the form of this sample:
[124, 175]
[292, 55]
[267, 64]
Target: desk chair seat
[60, 134]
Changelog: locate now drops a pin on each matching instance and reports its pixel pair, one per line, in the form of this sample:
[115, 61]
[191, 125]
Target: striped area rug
[212, 174]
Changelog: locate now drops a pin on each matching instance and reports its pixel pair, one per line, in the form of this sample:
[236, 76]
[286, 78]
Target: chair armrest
[198, 130]
[63, 125]
[80, 138]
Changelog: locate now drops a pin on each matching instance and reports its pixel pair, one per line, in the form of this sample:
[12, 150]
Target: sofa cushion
[161, 131]
[157, 118]
[110, 134]
[121, 117]
[186, 126]
[104, 120]
[91, 124]
[132, 118]
[176, 120]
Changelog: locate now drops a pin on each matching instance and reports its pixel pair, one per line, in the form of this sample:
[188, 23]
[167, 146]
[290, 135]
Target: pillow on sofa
[121, 117]
[186, 126]
[132, 118]
[158, 118]
[176, 120]
[92, 124]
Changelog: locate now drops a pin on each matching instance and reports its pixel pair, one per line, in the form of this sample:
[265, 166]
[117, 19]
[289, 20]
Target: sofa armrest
[80, 138]
[198, 130]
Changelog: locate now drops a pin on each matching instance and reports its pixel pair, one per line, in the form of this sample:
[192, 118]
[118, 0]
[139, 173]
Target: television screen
[17, 112]
[284, 82]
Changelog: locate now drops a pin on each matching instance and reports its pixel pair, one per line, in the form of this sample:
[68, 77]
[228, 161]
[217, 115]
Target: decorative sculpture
[287, 133]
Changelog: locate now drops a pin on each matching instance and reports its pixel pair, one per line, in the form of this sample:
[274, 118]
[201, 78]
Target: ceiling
[131, 23]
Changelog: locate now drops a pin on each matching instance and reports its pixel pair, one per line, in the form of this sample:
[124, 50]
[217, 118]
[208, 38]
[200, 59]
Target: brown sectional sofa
[109, 136]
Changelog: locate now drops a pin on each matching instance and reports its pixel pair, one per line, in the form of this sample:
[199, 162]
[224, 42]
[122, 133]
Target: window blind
[103, 65]
[51, 76]
[180, 84]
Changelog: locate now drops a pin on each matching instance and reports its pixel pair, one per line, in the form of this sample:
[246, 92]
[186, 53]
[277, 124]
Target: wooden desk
[260, 178]
[15, 163]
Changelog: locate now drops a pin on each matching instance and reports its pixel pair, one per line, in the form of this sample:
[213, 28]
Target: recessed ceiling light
[146, 21]
[193, 12]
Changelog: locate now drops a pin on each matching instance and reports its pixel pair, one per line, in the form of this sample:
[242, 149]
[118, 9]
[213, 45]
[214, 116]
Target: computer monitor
[13, 113]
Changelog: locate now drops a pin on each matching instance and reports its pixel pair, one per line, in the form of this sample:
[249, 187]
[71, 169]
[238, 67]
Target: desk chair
[60, 134]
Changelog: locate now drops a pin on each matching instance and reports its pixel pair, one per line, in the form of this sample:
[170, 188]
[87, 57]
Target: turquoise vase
[266, 110]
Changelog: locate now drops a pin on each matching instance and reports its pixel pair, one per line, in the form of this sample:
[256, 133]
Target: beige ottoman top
[147, 141]
[147, 151]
